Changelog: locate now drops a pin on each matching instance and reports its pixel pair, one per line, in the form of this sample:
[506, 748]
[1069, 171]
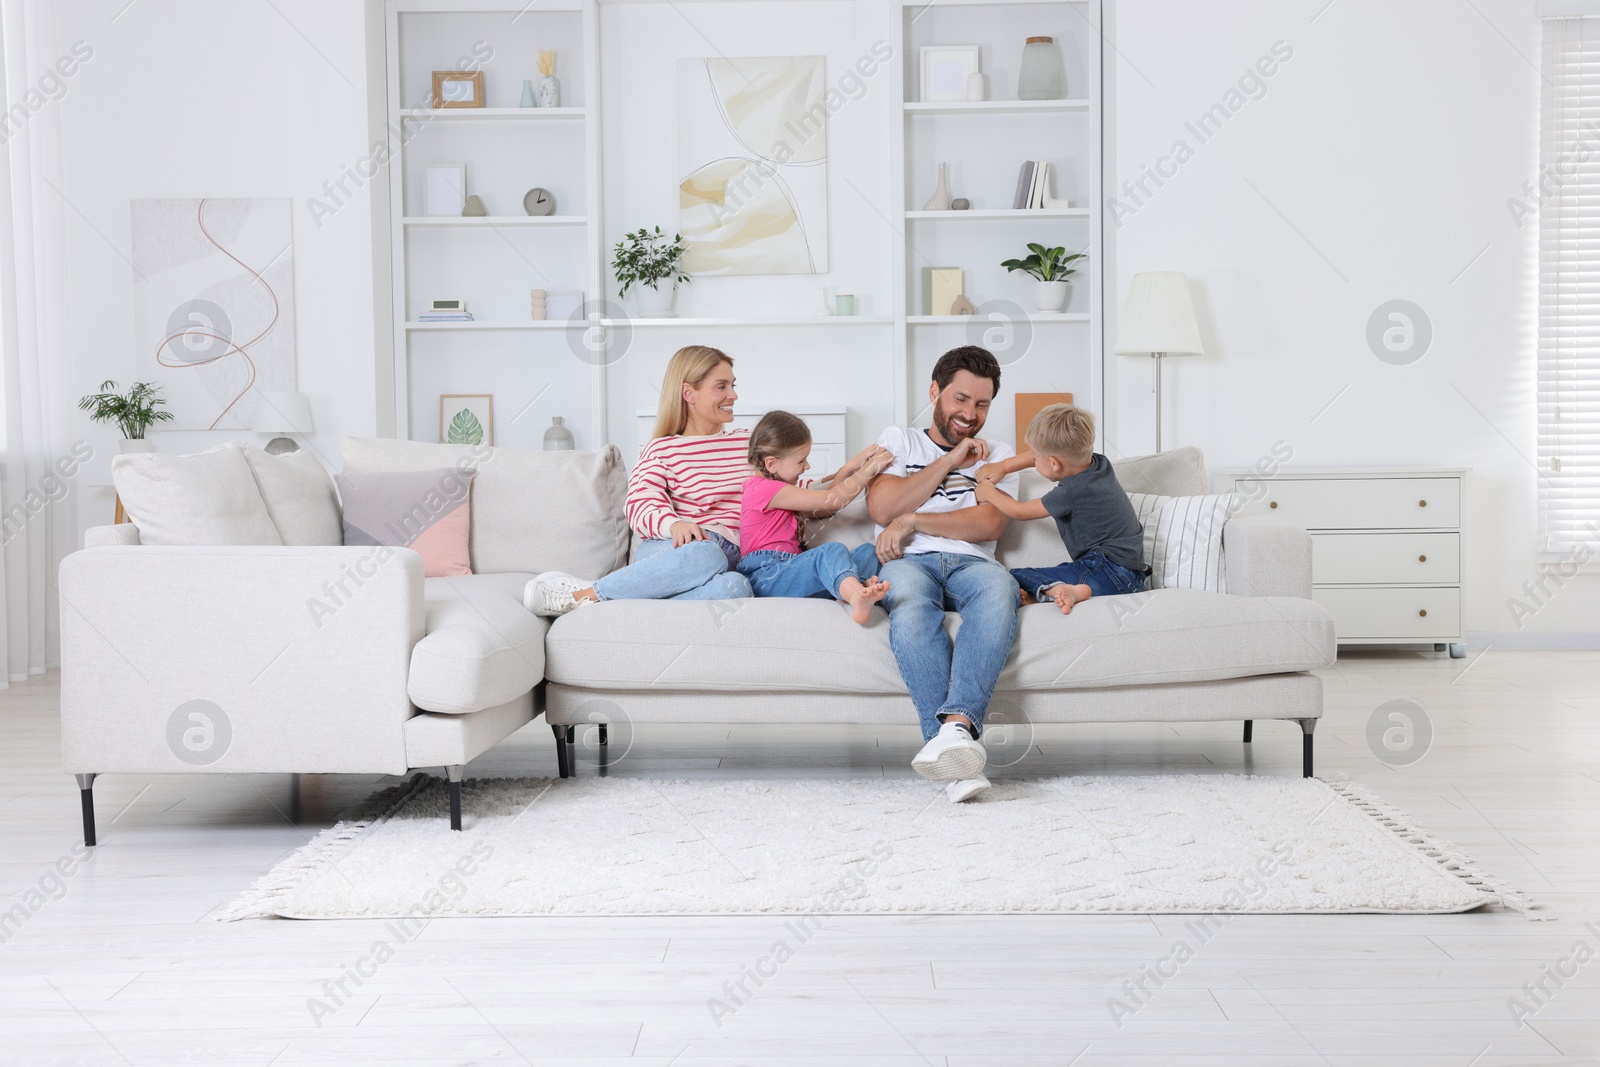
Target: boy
[1095, 517]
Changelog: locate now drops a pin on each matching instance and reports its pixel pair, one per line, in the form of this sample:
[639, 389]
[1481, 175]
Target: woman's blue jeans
[698, 570]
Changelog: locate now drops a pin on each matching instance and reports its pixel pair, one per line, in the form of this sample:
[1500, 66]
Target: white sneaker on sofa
[950, 755]
[965, 789]
[550, 593]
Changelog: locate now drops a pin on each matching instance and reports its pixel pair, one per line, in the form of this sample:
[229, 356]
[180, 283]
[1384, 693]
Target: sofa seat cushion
[777, 645]
[482, 647]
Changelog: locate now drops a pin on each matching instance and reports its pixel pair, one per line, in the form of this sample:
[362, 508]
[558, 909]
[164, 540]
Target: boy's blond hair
[1064, 431]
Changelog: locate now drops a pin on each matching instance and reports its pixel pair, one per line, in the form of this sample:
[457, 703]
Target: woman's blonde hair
[689, 366]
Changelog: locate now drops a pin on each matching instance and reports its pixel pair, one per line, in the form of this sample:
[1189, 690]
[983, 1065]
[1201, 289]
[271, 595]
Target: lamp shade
[281, 413]
[1158, 316]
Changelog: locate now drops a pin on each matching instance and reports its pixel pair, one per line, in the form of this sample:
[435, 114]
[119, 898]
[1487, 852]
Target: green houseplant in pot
[1050, 268]
[132, 412]
[652, 265]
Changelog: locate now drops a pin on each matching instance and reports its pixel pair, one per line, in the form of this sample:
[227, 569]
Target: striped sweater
[689, 479]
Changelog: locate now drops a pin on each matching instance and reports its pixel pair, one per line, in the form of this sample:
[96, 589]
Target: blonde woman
[683, 499]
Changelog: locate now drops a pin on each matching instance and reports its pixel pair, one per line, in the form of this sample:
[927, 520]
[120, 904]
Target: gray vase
[558, 438]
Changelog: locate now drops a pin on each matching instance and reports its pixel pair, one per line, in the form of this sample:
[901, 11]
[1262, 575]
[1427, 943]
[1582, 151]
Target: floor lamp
[1158, 320]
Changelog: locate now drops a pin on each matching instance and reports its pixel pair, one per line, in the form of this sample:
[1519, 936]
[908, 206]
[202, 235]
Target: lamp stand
[1156, 359]
[279, 445]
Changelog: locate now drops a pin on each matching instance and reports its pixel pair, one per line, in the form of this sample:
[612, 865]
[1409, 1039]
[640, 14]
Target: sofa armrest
[123, 533]
[1266, 556]
[298, 655]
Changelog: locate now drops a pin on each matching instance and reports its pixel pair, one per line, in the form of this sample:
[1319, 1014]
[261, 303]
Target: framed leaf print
[466, 419]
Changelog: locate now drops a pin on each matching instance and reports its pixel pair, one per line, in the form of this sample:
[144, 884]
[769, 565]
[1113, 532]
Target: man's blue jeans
[945, 680]
[815, 572]
[1092, 569]
[699, 570]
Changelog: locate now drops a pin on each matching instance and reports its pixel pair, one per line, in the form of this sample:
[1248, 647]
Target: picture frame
[466, 419]
[457, 88]
[944, 71]
[563, 303]
[444, 189]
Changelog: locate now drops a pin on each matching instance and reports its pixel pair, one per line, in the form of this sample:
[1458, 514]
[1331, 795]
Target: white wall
[1376, 166]
[185, 98]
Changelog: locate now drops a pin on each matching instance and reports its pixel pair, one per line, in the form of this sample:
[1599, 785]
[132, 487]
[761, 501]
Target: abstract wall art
[753, 152]
[214, 305]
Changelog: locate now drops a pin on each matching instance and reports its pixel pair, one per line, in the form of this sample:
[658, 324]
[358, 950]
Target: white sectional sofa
[406, 672]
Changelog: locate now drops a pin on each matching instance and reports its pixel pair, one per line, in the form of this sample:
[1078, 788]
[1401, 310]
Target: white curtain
[37, 503]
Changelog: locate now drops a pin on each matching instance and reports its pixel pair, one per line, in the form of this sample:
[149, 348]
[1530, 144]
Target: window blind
[1569, 286]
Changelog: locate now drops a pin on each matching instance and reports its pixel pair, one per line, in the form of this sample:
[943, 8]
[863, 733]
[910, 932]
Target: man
[936, 543]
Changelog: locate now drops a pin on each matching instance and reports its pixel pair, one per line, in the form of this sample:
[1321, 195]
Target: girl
[771, 556]
[683, 499]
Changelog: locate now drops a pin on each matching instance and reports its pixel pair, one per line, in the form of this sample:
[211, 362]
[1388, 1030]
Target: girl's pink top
[762, 527]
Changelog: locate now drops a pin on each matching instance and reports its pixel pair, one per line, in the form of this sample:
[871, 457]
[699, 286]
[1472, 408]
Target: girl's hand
[684, 532]
[877, 460]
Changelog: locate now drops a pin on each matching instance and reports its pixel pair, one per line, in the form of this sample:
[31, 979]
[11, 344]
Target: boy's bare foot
[1027, 597]
[861, 596]
[1066, 595]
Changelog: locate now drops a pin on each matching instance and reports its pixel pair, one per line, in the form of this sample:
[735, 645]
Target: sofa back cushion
[531, 511]
[1180, 472]
[208, 498]
[298, 494]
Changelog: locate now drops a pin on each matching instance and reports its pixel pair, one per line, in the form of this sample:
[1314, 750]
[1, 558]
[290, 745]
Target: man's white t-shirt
[913, 450]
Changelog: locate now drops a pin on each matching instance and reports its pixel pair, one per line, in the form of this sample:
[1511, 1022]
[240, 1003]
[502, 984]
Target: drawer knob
[1422, 559]
[1422, 503]
[1423, 612]
[1274, 504]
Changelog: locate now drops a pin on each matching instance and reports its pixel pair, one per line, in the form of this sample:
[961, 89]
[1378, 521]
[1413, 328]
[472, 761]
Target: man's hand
[966, 452]
[892, 542]
[684, 532]
[991, 472]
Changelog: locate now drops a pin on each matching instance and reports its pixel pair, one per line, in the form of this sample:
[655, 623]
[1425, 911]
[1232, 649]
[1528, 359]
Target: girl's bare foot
[1066, 596]
[861, 597]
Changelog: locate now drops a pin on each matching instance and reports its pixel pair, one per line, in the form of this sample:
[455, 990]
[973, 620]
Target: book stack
[1033, 186]
[445, 316]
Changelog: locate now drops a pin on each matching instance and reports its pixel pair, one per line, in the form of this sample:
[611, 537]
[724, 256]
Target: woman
[683, 499]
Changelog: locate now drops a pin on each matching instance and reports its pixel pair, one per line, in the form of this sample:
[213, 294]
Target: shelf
[799, 320]
[495, 221]
[1033, 316]
[972, 214]
[531, 324]
[464, 114]
[995, 107]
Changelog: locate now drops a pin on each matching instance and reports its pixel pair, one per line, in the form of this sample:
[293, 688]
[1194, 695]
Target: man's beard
[941, 422]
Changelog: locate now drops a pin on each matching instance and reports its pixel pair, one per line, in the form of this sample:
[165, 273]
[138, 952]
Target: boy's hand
[988, 492]
[991, 472]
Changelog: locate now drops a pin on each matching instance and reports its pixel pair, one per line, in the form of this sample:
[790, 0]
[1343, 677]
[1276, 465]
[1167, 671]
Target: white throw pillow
[1183, 539]
[299, 496]
[209, 498]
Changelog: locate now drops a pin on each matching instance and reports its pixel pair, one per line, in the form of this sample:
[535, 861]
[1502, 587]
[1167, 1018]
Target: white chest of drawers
[1385, 547]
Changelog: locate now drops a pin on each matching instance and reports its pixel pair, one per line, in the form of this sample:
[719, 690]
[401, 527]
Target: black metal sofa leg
[454, 773]
[86, 797]
[1306, 728]
[1249, 728]
[561, 749]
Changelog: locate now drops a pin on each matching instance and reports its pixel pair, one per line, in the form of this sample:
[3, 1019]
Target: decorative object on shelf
[457, 88]
[945, 69]
[527, 94]
[214, 305]
[962, 306]
[549, 85]
[940, 287]
[473, 208]
[642, 261]
[977, 86]
[940, 200]
[132, 412]
[753, 142]
[1050, 269]
[1158, 320]
[827, 302]
[444, 189]
[466, 419]
[960, 203]
[562, 303]
[539, 202]
[1055, 204]
[1033, 186]
[536, 305]
[1042, 76]
[452, 310]
[844, 304]
[282, 413]
[558, 438]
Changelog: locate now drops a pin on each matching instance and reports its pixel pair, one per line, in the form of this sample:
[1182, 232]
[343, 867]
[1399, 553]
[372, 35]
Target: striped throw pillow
[1183, 539]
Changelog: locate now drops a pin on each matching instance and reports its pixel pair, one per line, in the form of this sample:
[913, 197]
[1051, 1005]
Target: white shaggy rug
[610, 846]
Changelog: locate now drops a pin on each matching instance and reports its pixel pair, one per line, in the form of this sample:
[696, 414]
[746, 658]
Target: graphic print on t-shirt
[955, 487]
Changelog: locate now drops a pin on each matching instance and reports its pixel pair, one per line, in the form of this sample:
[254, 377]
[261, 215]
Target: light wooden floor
[124, 967]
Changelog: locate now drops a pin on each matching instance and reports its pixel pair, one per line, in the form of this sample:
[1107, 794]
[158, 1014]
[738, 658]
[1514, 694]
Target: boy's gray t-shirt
[1093, 513]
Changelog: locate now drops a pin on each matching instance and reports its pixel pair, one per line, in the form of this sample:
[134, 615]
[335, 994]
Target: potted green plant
[133, 412]
[1050, 267]
[643, 261]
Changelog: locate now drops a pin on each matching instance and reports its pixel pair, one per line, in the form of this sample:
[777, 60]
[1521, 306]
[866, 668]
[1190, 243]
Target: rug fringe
[1449, 856]
[261, 899]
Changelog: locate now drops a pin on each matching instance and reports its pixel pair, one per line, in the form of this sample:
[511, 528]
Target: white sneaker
[966, 789]
[550, 593]
[951, 755]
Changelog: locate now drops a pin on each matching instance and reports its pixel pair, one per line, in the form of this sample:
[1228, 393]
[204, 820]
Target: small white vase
[656, 303]
[549, 91]
[977, 86]
[1051, 297]
[940, 200]
[128, 445]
